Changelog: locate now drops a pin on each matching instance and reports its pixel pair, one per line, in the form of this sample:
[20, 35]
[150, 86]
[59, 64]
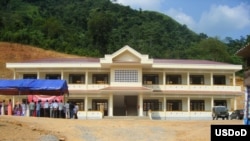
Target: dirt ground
[18, 128]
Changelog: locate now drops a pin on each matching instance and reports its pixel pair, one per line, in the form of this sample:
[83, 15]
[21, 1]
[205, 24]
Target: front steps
[127, 117]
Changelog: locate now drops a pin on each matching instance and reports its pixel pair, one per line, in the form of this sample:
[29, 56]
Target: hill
[98, 27]
[13, 52]
[92, 28]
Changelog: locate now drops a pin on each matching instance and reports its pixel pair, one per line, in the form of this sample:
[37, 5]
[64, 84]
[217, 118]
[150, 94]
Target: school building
[128, 83]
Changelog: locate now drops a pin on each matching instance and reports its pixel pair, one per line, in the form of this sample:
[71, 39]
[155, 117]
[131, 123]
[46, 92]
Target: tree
[100, 26]
[209, 49]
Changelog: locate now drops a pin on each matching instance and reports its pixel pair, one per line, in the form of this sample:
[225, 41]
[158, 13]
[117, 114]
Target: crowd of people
[51, 109]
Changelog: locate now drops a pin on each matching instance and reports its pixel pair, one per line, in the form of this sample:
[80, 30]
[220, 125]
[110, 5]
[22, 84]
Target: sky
[215, 18]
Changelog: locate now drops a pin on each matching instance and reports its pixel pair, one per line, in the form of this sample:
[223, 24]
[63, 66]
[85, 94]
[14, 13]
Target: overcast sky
[216, 18]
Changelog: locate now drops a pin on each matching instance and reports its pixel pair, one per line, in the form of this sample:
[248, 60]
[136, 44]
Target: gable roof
[126, 55]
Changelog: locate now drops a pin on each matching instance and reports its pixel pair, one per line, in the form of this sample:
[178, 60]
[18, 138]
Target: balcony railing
[194, 87]
[163, 87]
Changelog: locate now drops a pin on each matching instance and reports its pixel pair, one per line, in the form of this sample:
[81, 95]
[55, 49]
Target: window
[29, 76]
[173, 79]
[219, 80]
[53, 76]
[174, 105]
[100, 79]
[196, 79]
[197, 105]
[76, 78]
[154, 105]
[220, 103]
[97, 104]
[150, 79]
[126, 76]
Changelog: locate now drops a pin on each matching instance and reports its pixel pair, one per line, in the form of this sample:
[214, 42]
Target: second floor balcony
[154, 81]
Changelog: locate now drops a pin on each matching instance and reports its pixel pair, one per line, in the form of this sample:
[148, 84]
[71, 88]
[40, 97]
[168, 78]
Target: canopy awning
[33, 87]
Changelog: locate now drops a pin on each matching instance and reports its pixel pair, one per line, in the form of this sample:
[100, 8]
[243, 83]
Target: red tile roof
[97, 60]
[186, 61]
[65, 60]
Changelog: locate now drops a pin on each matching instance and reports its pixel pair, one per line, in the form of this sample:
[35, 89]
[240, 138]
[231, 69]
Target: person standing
[27, 109]
[67, 112]
[71, 109]
[51, 109]
[55, 109]
[46, 108]
[32, 107]
[10, 107]
[38, 108]
[18, 109]
[76, 108]
[23, 105]
[2, 108]
[60, 108]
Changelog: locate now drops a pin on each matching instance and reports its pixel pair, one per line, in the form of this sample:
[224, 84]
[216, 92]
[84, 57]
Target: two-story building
[128, 83]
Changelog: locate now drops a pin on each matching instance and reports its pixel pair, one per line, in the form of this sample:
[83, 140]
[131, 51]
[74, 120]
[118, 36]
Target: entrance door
[131, 107]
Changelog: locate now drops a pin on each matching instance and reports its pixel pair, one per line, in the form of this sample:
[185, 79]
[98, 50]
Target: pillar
[140, 105]
[235, 104]
[86, 103]
[110, 105]
[212, 102]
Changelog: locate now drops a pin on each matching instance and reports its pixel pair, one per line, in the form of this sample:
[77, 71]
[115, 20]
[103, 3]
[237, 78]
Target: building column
[188, 79]
[38, 74]
[164, 106]
[211, 79]
[86, 106]
[140, 105]
[86, 103]
[62, 76]
[110, 105]
[212, 102]
[14, 101]
[164, 103]
[86, 79]
[235, 104]
[164, 78]
[188, 104]
[234, 78]
[14, 77]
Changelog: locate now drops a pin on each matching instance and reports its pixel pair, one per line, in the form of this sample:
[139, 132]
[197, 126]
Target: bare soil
[16, 128]
[12, 52]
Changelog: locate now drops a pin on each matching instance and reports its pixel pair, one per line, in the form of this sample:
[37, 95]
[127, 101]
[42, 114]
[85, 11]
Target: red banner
[43, 98]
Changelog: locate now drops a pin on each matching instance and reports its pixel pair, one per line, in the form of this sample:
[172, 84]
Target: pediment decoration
[126, 55]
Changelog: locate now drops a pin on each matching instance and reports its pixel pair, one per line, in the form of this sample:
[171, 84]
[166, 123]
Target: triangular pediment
[127, 55]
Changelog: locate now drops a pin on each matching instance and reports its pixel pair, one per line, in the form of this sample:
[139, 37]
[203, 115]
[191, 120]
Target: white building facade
[128, 83]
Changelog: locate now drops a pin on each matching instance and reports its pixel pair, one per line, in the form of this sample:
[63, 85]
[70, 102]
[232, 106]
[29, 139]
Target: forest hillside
[97, 27]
